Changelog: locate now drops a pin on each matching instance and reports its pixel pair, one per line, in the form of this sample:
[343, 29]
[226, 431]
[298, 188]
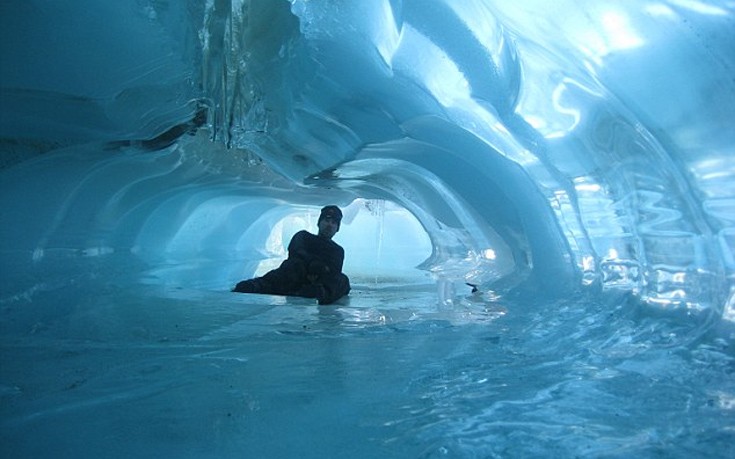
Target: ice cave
[539, 228]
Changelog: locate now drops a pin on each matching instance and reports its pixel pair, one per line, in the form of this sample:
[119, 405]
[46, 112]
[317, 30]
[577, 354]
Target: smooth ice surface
[573, 159]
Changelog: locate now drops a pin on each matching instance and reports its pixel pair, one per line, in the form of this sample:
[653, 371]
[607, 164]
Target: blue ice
[574, 160]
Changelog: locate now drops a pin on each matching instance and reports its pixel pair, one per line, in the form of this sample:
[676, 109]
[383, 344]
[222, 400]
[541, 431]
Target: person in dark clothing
[313, 268]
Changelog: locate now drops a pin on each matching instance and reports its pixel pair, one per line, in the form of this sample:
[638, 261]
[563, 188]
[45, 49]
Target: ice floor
[156, 371]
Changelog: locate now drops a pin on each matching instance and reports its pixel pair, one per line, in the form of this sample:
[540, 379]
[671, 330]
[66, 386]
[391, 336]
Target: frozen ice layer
[571, 159]
[498, 144]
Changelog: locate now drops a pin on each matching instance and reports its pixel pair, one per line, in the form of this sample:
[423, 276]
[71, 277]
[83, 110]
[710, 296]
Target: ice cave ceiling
[568, 144]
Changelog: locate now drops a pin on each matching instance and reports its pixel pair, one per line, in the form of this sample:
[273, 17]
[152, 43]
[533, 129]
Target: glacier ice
[591, 150]
[174, 146]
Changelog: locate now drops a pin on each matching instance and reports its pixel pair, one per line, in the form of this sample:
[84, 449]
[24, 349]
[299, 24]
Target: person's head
[329, 221]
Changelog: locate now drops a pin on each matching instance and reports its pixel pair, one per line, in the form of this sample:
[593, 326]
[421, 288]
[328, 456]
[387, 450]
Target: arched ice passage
[550, 143]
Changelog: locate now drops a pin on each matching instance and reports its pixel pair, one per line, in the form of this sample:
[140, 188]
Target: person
[313, 268]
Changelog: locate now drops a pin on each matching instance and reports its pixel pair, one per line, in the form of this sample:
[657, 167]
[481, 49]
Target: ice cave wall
[572, 144]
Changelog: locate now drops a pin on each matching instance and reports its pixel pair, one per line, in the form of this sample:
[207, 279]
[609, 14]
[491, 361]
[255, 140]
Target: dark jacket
[317, 253]
[313, 269]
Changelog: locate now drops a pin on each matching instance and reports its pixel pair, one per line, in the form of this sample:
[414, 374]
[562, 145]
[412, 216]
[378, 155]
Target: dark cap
[331, 212]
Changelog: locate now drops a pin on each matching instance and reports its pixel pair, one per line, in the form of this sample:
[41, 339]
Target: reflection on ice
[213, 371]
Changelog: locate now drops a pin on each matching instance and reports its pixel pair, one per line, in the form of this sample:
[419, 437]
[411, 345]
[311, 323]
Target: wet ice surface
[169, 372]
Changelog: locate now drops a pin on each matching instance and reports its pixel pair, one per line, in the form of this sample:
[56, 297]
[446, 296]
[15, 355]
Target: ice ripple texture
[590, 149]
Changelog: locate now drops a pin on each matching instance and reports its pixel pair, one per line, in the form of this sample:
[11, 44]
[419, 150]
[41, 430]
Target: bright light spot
[588, 263]
[97, 251]
[726, 401]
[620, 33]
[700, 7]
[612, 254]
[424, 61]
[661, 10]
[536, 122]
[614, 33]
[489, 254]
[562, 107]
[38, 254]
[729, 310]
[386, 35]
[589, 187]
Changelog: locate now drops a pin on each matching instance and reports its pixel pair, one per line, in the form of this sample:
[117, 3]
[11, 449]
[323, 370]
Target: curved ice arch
[582, 168]
[535, 112]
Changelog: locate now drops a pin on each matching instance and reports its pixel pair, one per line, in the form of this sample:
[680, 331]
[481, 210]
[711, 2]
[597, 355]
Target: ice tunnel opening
[403, 225]
[190, 217]
[384, 243]
[218, 235]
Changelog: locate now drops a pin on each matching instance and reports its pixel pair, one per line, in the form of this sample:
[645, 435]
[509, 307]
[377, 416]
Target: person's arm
[340, 259]
[334, 289]
[335, 259]
[323, 266]
[327, 283]
[297, 246]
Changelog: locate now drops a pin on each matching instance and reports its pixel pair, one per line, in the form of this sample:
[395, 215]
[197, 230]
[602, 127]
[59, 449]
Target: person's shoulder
[303, 234]
[305, 237]
[337, 246]
[324, 242]
[299, 238]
